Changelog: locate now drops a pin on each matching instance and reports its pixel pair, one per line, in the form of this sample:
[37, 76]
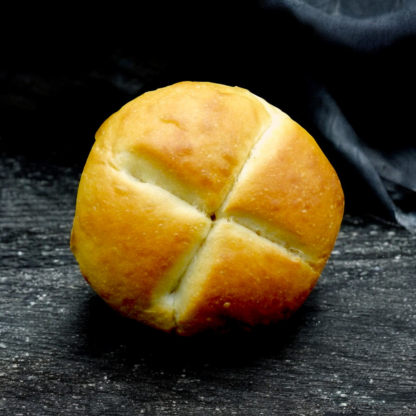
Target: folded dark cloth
[360, 98]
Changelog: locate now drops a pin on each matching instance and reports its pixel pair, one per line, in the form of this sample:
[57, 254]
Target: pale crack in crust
[291, 251]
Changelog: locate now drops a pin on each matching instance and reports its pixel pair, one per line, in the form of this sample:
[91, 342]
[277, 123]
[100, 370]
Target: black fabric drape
[361, 104]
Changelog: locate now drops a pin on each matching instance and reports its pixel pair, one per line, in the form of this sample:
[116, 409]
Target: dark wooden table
[349, 350]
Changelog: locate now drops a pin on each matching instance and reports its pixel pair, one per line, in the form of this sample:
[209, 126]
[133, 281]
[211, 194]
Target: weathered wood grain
[349, 350]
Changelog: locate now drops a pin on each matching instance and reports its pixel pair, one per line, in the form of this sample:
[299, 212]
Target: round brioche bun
[202, 206]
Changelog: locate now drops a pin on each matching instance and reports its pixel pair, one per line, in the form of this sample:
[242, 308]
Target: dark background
[345, 70]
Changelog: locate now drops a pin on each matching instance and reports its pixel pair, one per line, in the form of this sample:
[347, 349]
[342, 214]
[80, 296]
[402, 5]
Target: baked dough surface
[200, 205]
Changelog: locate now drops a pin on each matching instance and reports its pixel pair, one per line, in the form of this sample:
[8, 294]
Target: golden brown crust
[240, 276]
[291, 191]
[194, 135]
[161, 166]
[132, 240]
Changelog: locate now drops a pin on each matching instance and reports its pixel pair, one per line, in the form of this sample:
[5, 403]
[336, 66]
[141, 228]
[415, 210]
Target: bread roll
[202, 206]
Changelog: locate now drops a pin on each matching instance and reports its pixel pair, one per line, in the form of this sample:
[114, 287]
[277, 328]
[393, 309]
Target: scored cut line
[290, 250]
[171, 295]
